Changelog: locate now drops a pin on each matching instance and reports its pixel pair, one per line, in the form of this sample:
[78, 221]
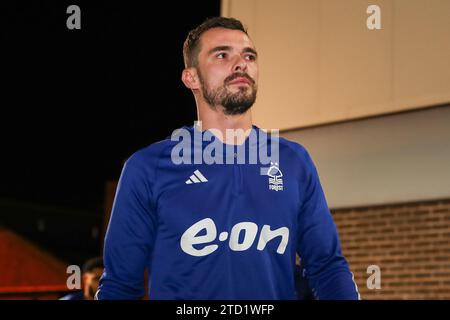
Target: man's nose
[240, 64]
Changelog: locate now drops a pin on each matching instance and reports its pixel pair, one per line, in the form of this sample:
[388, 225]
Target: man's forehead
[224, 37]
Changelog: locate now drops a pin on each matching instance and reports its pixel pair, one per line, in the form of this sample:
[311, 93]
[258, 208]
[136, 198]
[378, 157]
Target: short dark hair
[191, 46]
[92, 264]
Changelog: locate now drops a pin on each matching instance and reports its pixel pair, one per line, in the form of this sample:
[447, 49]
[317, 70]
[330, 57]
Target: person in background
[92, 271]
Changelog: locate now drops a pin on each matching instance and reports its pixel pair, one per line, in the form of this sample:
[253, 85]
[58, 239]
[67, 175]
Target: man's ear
[190, 78]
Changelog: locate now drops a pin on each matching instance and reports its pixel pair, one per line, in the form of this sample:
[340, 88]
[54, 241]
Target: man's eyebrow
[219, 48]
[228, 48]
[251, 50]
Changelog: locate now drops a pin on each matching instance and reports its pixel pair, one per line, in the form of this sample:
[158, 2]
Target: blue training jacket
[221, 231]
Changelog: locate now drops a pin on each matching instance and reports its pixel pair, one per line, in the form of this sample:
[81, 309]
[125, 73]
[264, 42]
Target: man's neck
[217, 120]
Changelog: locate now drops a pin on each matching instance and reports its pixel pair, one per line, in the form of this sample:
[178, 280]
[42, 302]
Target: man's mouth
[240, 81]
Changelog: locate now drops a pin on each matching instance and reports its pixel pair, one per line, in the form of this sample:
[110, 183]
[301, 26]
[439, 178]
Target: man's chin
[242, 93]
[237, 109]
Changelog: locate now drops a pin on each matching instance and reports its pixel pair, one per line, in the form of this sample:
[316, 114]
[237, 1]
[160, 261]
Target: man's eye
[221, 55]
[251, 57]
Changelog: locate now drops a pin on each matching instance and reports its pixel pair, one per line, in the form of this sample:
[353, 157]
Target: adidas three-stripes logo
[197, 177]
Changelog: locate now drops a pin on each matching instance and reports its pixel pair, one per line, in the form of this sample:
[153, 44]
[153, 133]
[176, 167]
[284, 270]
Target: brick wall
[409, 242]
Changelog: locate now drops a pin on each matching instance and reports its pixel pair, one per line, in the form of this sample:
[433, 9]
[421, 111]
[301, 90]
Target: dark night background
[76, 103]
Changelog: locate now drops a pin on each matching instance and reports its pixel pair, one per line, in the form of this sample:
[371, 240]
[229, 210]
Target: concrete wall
[389, 159]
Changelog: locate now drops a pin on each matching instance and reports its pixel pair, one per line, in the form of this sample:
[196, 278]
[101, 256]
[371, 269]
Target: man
[219, 230]
[92, 271]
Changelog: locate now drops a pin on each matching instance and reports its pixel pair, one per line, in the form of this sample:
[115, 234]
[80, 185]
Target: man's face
[228, 70]
[91, 280]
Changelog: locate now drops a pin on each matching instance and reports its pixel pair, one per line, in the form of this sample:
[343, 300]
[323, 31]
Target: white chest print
[190, 237]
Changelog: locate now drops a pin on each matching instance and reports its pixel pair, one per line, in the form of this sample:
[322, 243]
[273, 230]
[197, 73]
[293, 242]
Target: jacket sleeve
[130, 235]
[318, 242]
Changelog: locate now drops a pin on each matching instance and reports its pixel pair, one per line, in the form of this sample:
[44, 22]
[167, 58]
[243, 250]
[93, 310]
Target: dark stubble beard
[233, 103]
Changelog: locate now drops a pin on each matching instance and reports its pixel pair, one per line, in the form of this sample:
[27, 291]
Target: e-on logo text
[190, 237]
